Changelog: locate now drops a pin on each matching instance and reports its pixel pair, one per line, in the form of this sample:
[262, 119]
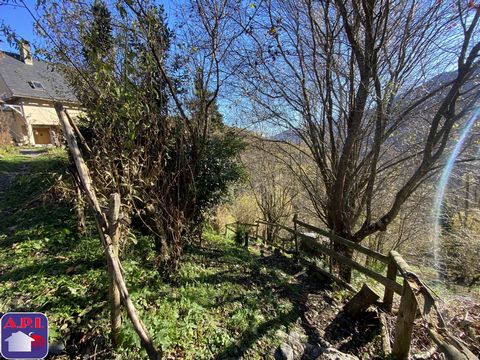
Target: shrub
[5, 137]
[459, 251]
[240, 234]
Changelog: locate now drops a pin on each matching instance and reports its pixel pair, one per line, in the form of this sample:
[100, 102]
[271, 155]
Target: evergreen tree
[98, 39]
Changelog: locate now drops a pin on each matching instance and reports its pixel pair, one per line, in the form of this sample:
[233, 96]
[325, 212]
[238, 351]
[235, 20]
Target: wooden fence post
[405, 319]
[392, 275]
[295, 237]
[101, 221]
[114, 291]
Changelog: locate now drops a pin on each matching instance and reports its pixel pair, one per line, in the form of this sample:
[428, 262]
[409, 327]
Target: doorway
[41, 135]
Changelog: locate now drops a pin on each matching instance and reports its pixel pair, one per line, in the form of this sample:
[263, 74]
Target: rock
[297, 341]
[292, 347]
[284, 352]
[334, 354]
[313, 351]
[56, 348]
[319, 352]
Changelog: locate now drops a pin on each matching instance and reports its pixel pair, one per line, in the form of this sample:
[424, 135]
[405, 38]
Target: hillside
[226, 302]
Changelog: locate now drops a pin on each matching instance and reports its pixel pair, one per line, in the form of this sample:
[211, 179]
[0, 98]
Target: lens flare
[442, 187]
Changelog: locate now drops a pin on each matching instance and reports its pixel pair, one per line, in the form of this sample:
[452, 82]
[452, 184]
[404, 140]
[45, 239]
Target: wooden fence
[415, 297]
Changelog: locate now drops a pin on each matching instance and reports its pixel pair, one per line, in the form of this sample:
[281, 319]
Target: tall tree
[350, 78]
[157, 136]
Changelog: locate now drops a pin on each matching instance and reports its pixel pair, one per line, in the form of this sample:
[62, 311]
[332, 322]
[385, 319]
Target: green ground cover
[217, 307]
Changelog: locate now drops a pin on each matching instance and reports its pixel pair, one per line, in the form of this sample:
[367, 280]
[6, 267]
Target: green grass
[7, 150]
[10, 161]
[225, 303]
[34, 175]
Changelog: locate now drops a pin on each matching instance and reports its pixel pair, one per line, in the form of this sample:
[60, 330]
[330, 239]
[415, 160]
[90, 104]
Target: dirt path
[323, 330]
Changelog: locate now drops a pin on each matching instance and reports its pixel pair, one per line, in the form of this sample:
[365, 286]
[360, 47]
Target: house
[28, 89]
[19, 342]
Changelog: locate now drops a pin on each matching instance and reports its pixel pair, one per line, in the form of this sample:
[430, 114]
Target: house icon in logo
[19, 342]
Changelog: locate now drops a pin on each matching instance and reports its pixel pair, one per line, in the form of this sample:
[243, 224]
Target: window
[36, 85]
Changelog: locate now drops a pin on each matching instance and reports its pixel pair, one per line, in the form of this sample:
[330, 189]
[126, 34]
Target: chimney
[25, 52]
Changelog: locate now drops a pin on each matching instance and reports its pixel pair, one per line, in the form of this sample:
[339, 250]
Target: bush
[5, 137]
[459, 251]
[240, 234]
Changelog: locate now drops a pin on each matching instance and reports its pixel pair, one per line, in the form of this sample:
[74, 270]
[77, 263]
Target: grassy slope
[213, 311]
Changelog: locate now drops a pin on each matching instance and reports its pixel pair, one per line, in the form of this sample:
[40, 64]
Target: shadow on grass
[52, 268]
[260, 272]
[22, 178]
[229, 254]
[251, 336]
[296, 293]
[51, 221]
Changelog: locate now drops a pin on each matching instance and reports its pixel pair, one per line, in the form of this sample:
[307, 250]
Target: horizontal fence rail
[414, 295]
[339, 240]
[316, 246]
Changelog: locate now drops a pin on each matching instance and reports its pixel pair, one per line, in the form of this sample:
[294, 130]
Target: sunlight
[442, 187]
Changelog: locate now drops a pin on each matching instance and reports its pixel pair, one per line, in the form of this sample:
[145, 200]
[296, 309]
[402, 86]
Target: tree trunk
[270, 237]
[168, 256]
[361, 301]
[80, 211]
[467, 199]
[344, 271]
[113, 290]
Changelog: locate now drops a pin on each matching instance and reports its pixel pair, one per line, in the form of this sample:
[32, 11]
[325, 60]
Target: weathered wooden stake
[77, 132]
[388, 295]
[295, 237]
[114, 291]
[79, 208]
[405, 319]
[102, 224]
[387, 349]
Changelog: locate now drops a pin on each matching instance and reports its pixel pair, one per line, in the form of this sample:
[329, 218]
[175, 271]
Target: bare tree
[273, 186]
[350, 78]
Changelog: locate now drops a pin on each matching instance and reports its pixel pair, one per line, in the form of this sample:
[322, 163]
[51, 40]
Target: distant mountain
[287, 136]
[412, 129]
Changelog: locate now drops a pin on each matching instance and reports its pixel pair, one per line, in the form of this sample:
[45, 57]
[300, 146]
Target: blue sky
[18, 18]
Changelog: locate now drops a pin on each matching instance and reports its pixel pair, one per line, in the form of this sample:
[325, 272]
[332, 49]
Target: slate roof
[16, 75]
